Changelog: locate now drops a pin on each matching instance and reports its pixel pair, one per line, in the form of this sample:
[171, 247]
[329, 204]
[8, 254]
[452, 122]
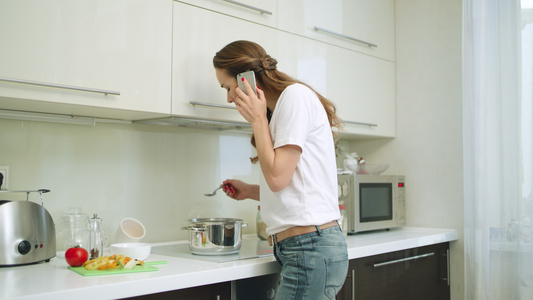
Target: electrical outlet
[5, 171]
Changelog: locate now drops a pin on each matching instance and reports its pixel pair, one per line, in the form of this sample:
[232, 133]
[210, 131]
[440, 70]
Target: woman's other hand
[239, 190]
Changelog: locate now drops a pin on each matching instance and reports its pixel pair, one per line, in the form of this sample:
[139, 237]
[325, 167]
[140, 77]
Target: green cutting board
[146, 268]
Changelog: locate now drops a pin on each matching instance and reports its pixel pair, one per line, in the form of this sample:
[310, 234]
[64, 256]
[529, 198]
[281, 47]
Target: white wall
[157, 175]
[428, 143]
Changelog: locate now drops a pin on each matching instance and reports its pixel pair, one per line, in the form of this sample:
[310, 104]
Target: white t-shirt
[311, 196]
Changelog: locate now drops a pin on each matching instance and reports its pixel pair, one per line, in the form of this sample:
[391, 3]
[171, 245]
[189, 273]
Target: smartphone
[250, 76]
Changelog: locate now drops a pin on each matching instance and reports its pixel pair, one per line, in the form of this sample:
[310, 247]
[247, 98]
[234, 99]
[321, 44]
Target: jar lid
[74, 215]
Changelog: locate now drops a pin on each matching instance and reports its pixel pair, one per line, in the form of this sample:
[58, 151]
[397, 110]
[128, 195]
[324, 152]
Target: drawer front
[418, 273]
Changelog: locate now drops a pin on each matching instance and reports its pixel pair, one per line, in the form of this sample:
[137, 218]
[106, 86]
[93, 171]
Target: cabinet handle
[60, 86]
[353, 284]
[344, 36]
[447, 279]
[212, 105]
[403, 259]
[361, 123]
[249, 6]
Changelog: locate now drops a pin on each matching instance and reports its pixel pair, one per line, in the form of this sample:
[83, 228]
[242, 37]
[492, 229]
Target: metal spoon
[214, 192]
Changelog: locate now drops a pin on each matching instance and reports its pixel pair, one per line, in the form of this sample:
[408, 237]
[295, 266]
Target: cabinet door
[258, 11]
[419, 273]
[345, 20]
[365, 91]
[198, 35]
[362, 87]
[257, 288]
[101, 47]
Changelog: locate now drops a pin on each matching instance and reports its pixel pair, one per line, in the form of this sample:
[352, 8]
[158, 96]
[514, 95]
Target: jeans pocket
[336, 271]
[289, 249]
[286, 253]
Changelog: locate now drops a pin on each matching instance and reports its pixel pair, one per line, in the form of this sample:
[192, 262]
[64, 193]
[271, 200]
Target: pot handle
[193, 228]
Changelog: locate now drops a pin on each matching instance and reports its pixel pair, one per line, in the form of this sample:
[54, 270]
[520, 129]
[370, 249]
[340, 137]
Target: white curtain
[498, 154]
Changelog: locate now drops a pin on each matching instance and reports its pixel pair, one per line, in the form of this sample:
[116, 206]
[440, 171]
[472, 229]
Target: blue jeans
[313, 265]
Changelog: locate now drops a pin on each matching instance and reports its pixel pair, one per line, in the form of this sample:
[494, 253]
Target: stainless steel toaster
[27, 233]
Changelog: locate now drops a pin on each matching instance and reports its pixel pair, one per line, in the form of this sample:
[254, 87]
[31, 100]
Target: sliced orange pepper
[96, 263]
[109, 262]
[120, 259]
[110, 265]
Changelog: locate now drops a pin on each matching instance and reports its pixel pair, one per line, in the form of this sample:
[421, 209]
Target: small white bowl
[138, 251]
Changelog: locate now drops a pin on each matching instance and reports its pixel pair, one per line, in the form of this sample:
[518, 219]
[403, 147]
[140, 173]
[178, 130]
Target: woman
[292, 132]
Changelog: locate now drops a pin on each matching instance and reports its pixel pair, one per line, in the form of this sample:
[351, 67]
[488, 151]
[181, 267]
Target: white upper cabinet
[97, 58]
[362, 87]
[198, 35]
[365, 94]
[366, 26]
[257, 11]
[138, 59]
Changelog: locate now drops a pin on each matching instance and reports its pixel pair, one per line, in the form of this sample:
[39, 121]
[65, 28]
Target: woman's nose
[230, 99]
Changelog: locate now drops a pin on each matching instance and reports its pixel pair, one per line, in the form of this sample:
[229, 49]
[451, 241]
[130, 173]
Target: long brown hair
[241, 56]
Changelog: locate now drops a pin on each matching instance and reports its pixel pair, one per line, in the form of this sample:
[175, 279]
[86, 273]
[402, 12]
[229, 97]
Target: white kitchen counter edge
[54, 281]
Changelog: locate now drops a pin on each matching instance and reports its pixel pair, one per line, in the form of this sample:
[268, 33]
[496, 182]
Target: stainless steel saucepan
[215, 236]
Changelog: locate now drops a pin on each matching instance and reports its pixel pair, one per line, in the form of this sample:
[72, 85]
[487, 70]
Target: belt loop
[318, 230]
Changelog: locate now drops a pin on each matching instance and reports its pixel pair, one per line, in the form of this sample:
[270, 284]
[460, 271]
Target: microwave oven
[372, 202]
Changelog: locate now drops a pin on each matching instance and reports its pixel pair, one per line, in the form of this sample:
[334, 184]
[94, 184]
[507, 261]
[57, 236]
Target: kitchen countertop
[54, 280]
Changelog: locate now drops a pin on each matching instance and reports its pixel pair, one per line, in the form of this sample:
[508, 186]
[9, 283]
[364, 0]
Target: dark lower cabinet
[257, 288]
[412, 274]
[219, 291]
[254, 288]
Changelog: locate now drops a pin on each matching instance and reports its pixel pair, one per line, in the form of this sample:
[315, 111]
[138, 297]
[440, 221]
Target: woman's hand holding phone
[248, 76]
[252, 106]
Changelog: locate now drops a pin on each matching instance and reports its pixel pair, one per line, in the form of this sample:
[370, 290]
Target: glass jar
[261, 226]
[72, 230]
